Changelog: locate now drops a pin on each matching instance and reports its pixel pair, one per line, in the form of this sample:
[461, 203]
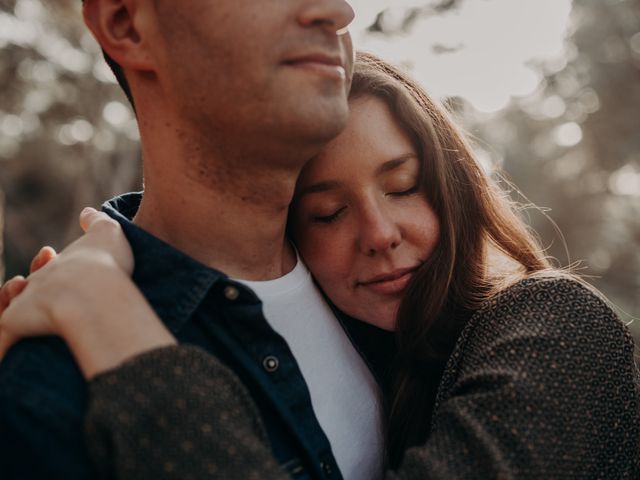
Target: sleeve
[42, 404]
[176, 413]
[544, 385]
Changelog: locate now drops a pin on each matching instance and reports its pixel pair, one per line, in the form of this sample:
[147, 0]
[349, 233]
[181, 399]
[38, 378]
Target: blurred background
[549, 90]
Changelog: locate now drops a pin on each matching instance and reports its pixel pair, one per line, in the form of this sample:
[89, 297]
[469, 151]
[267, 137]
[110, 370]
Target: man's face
[271, 70]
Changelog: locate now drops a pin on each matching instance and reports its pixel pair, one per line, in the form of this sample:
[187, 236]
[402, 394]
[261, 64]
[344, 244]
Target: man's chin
[321, 121]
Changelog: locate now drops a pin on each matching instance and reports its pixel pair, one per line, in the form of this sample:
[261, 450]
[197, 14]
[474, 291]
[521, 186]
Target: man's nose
[334, 15]
[379, 233]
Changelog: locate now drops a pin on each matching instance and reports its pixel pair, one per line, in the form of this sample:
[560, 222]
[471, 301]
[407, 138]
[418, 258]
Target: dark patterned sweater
[541, 384]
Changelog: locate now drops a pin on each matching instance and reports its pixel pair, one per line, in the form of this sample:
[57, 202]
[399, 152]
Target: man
[232, 97]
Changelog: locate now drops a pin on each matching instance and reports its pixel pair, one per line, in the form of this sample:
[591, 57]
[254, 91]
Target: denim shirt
[43, 396]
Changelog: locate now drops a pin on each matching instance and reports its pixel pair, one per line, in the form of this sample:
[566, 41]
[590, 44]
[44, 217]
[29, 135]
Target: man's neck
[230, 232]
[228, 213]
[220, 198]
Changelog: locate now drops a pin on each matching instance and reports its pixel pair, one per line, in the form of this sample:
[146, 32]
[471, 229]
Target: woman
[505, 368]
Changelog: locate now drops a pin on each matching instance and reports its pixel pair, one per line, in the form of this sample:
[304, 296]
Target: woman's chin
[377, 310]
[383, 318]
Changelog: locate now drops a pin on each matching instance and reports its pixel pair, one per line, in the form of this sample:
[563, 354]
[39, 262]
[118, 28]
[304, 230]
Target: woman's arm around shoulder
[176, 413]
[542, 384]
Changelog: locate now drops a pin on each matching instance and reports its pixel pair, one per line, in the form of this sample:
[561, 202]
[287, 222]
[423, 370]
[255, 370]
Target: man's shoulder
[43, 399]
[42, 374]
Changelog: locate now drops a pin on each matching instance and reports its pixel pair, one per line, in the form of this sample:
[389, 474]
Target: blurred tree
[68, 137]
[572, 148]
[1, 236]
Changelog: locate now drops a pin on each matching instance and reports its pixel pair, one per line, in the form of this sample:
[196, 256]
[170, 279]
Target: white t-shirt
[344, 394]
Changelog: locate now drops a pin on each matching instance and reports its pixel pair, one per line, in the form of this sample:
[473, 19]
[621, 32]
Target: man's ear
[118, 26]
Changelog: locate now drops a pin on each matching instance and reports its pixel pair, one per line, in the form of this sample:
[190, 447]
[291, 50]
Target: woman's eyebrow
[394, 163]
[319, 187]
[335, 184]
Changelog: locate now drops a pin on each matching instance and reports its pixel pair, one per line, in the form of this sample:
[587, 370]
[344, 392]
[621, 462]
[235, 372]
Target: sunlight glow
[568, 134]
[486, 50]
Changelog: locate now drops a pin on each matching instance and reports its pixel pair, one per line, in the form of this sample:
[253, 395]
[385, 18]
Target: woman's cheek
[325, 254]
[310, 246]
[421, 224]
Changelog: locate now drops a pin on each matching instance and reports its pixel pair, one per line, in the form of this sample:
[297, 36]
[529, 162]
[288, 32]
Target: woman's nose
[379, 232]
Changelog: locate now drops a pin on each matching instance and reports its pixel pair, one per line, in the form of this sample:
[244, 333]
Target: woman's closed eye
[403, 193]
[329, 218]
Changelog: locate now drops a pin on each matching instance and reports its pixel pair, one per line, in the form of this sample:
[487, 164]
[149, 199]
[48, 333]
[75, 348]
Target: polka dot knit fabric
[176, 413]
[541, 384]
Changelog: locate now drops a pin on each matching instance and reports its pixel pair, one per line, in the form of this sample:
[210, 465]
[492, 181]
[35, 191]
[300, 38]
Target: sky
[492, 45]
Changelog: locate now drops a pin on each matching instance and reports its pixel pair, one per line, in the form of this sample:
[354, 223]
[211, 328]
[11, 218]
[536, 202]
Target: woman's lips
[389, 284]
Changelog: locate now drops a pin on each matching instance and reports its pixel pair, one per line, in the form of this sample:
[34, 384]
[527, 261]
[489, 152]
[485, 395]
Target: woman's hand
[12, 288]
[84, 295]
[102, 247]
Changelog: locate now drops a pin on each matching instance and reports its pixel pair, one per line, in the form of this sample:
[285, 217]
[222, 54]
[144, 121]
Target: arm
[42, 404]
[543, 385]
[176, 413]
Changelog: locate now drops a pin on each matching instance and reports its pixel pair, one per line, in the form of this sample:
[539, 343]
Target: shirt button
[231, 292]
[326, 468]
[270, 363]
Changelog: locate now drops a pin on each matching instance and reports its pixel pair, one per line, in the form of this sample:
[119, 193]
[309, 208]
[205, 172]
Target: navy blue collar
[173, 283]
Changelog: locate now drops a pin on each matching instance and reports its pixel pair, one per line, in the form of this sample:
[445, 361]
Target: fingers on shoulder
[91, 219]
[10, 289]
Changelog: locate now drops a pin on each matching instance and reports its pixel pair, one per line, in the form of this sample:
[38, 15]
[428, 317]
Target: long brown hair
[476, 221]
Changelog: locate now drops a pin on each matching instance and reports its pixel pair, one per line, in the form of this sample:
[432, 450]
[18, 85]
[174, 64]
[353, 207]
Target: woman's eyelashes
[329, 218]
[403, 193]
[339, 212]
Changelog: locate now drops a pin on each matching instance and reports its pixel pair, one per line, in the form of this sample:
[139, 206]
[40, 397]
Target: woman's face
[361, 220]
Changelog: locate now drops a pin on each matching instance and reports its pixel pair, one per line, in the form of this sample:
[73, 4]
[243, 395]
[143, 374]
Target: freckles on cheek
[312, 252]
[323, 259]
